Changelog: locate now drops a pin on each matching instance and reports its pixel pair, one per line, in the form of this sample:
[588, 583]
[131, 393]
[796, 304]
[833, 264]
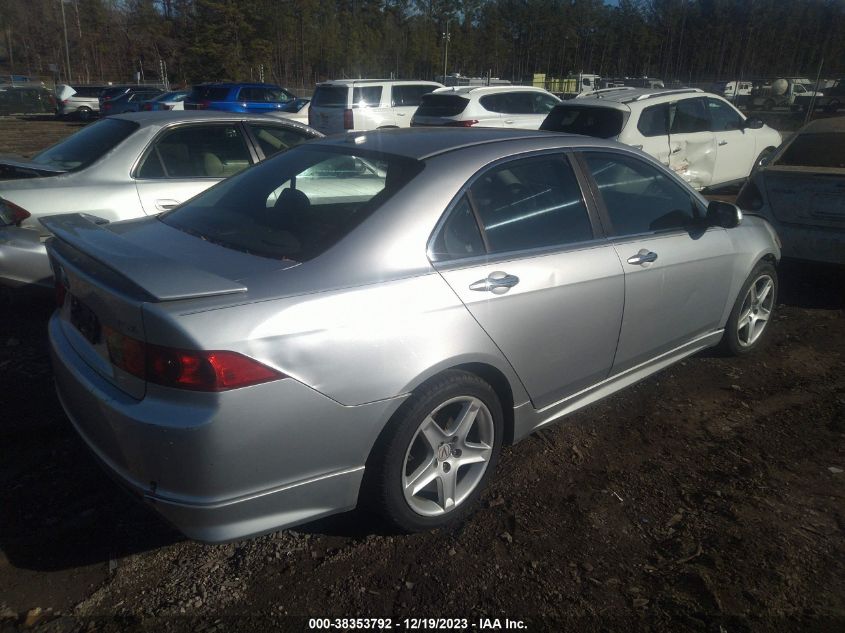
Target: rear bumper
[223, 466]
[23, 258]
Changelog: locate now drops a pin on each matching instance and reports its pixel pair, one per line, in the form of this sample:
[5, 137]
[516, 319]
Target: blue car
[239, 97]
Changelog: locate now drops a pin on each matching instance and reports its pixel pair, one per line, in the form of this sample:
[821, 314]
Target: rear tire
[435, 457]
[750, 319]
[83, 114]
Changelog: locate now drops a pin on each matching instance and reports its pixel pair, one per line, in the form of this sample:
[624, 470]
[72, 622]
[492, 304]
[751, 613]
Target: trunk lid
[108, 273]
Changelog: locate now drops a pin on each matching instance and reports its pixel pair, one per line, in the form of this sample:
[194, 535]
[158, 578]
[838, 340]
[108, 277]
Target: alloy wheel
[448, 456]
[755, 311]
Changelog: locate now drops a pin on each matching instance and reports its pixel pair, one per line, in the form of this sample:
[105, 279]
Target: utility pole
[445, 51]
[67, 49]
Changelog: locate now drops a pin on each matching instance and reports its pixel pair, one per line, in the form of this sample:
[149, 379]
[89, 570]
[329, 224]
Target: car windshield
[297, 205]
[90, 143]
[587, 120]
[815, 150]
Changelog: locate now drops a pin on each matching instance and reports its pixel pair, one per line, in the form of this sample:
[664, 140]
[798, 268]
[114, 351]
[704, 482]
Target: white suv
[365, 104]
[699, 135]
[486, 106]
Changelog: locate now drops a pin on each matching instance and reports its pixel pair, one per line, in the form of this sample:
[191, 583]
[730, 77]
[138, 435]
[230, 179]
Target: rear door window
[366, 96]
[690, 116]
[209, 93]
[197, 151]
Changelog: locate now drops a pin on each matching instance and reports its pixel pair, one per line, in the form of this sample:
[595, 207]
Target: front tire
[438, 453]
[752, 313]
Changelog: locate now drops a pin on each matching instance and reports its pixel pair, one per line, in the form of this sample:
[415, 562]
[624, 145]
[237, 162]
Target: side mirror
[723, 214]
[753, 124]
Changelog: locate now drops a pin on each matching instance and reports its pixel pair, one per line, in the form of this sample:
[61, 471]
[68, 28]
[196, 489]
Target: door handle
[508, 120]
[400, 114]
[722, 143]
[497, 282]
[166, 204]
[675, 150]
[643, 257]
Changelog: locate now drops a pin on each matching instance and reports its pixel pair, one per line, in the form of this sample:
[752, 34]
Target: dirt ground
[706, 498]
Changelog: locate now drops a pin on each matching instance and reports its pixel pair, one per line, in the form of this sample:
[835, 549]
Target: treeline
[299, 42]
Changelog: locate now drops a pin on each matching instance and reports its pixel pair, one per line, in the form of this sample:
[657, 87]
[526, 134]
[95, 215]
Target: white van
[366, 104]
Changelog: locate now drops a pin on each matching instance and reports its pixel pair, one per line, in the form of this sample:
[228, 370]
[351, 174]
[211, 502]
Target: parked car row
[492, 280]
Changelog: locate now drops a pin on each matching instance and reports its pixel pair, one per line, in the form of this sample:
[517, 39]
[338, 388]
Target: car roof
[351, 82]
[236, 84]
[484, 90]
[593, 102]
[634, 95]
[424, 143]
[164, 117]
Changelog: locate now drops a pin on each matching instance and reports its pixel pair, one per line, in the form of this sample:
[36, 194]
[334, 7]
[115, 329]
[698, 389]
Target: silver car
[367, 319]
[124, 167]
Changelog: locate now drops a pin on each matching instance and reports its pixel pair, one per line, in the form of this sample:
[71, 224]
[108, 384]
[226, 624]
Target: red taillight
[347, 119]
[202, 105]
[107, 106]
[11, 214]
[467, 123]
[196, 370]
[65, 101]
[147, 106]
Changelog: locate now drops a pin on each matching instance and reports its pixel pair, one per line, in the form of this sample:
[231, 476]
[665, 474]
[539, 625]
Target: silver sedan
[367, 319]
[123, 167]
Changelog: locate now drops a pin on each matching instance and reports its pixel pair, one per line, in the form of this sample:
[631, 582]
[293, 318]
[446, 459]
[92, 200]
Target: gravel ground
[706, 498]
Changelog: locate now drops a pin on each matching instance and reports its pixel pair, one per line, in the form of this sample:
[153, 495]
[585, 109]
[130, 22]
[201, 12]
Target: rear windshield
[209, 93]
[587, 120]
[88, 91]
[330, 97]
[441, 105]
[108, 93]
[87, 145]
[297, 205]
[816, 150]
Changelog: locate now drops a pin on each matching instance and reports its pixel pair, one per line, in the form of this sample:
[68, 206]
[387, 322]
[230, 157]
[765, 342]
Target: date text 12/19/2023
[416, 624]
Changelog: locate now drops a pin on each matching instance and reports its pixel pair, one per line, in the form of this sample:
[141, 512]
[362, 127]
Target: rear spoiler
[26, 166]
[163, 278]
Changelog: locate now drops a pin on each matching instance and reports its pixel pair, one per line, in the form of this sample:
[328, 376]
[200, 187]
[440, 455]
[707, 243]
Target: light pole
[67, 49]
[445, 51]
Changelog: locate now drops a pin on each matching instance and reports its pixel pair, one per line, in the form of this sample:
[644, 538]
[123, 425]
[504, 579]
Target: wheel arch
[491, 374]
